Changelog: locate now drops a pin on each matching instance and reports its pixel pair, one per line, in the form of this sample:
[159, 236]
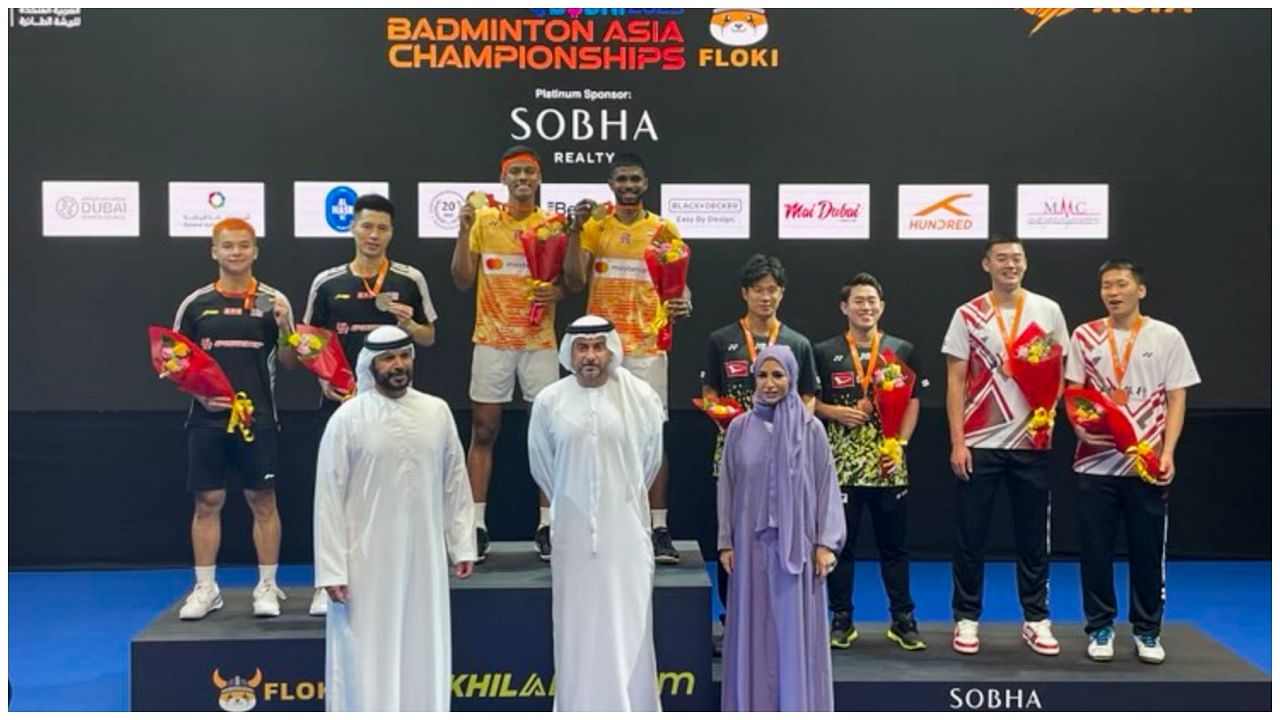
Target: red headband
[528, 157]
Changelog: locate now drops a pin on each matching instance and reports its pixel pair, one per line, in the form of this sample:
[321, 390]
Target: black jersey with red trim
[341, 302]
[243, 341]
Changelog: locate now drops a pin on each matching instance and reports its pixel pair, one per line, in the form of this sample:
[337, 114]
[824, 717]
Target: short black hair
[377, 203]
[1002, 240]
[862, 278]
[1124, 264]
[627, 159]
[520, 150]
[758, 266]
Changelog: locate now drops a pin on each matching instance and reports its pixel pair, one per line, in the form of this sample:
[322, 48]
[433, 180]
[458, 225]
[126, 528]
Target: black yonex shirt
[857, 450]
[341, 302]
[242, 340]
[728, 368]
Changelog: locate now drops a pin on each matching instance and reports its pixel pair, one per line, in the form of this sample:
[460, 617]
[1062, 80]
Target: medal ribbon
[249, 295]
[750, 341]
[864, 376]
[1121, 365]
[1010, 336]
[377, 284]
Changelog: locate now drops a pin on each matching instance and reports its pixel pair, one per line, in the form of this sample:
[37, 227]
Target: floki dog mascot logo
[237, 694]
[741, 31]
[739, 28]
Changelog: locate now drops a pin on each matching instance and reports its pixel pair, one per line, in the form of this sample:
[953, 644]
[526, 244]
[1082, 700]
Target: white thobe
[594, 452]
[392, 499]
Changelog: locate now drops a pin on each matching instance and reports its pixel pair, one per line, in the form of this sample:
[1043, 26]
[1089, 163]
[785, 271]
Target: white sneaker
[1149, 648]
[1039, 637]
[1102, 646]
[320, 602]
[965, 638]
[266, 599]
[204, 599]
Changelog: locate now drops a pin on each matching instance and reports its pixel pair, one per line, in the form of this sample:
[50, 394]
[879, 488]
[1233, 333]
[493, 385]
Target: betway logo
[821, 210]
[946, 215]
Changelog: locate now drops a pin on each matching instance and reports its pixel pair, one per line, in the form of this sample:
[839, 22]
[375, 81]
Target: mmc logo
[237, 694]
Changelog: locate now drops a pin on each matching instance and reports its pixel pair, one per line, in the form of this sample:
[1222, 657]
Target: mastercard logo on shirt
[493, 263]
[602, 267]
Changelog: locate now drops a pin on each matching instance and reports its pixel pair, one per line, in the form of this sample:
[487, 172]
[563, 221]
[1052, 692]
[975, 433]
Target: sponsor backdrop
[1091, 132]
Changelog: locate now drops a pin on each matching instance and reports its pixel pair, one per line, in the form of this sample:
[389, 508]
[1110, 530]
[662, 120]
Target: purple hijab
[789, 505]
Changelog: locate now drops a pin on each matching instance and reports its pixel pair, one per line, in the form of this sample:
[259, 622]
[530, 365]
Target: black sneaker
[843, 633]
[903, 631]
[542, 539]
[482, 545]
[664, 551]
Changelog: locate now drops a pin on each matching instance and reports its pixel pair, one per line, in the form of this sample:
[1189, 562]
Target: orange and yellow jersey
[502, 285]
[620, 289]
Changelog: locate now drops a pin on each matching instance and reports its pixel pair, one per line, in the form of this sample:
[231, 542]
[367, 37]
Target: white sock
[267, 573]
[480, 515]
[544, 516]
[205, 575]
[658, 518]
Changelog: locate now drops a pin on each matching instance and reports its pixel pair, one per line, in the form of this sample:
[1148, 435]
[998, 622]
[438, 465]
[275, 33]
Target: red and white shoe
[1039, 637]
[965, 638]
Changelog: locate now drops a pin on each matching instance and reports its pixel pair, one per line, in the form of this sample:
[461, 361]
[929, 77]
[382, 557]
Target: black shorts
[214, 455]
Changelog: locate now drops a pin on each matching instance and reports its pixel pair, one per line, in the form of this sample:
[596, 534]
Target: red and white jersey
[995, 412]
[1160, 362]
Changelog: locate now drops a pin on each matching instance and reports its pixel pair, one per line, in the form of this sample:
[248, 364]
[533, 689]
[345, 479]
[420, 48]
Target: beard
[394, 381]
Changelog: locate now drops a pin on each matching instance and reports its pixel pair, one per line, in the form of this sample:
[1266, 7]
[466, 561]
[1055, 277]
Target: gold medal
[1120, 397]
[383, 301]
[477, 200]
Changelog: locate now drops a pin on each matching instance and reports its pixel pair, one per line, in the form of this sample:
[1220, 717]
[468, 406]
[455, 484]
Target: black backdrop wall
[1172, 110]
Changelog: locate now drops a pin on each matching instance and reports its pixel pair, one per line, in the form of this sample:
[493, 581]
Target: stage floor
[1199, 674]
[70, 631]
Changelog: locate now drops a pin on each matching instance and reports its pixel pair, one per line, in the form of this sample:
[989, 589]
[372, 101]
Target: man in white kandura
[392, 498]
[595, 444]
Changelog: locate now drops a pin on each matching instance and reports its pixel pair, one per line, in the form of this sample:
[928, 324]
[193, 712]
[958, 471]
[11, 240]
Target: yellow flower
[181, 349]
[314, 343]
[171, 365]
[295, 340]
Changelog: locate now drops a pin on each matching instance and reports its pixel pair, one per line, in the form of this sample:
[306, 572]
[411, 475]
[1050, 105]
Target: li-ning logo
[1044, 15]
[237, 694]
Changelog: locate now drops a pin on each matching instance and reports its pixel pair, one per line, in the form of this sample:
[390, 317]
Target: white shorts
[651, 369]
[494, 372]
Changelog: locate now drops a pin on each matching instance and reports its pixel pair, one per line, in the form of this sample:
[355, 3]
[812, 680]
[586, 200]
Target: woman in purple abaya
[781, 528]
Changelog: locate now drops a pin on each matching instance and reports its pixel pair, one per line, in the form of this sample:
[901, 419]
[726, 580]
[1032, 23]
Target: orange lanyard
[377, 284]
[864, 376]
[1118, 365]
[749, 339]
[1008, 336]
[249, 295]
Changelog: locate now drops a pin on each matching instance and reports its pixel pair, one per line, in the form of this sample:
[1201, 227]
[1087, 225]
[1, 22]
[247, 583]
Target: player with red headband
[488, 255]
